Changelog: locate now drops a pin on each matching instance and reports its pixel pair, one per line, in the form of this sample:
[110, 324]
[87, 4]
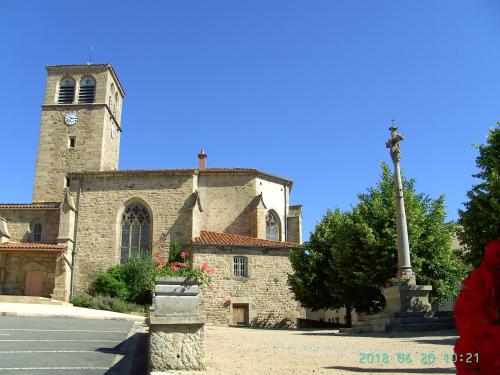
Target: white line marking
[64, 340]
[4, 334]
[52, 368]
[58, 330]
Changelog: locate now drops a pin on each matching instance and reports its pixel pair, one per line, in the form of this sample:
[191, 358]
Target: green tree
[352, 255]
[479, 223]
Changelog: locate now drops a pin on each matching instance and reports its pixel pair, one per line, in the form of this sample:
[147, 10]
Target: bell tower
[80, 127]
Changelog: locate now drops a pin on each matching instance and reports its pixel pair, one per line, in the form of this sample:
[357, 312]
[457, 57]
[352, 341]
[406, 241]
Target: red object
[477, 317]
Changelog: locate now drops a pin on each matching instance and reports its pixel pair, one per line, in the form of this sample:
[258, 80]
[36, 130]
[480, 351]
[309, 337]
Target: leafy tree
[479, 223]
[352, 255]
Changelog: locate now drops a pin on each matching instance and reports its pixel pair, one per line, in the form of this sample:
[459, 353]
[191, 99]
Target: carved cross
[393, 143]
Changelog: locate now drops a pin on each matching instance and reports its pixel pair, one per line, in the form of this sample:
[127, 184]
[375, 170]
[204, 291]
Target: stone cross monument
[405, 272]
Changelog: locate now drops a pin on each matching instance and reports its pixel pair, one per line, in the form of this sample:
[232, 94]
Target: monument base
[407, 298]
[176, 343]
[407, 310]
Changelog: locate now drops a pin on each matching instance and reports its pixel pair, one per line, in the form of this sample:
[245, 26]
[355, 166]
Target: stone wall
[103, 199]
[226, 199]
[20, 220]
[16, 265]
[265, 290]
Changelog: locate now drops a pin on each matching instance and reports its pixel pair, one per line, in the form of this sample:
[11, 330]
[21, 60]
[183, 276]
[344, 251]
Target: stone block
[173, 290]
[407, 298]
[176, 305]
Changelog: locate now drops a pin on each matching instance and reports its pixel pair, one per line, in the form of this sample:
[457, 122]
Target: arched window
[272, 226]
[87, 90]
[110, 96]
[135, 231]
[66, 91]
[36, 232]
[115, 105]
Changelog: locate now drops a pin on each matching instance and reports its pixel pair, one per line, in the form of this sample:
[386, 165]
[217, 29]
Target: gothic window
[36, 232]
[135, 232]
[87, 90]
[66, 91]
[240, 266]
[272, 226]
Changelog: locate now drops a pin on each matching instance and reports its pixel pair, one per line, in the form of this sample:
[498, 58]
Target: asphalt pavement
[70, 346]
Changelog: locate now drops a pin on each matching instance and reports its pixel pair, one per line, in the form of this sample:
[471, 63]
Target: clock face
[71, 118]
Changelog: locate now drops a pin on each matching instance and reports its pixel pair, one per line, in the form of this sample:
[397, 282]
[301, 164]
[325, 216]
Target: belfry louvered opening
[66, 91]
[87, 90]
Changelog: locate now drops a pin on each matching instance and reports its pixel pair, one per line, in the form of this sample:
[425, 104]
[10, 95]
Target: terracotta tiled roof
[225, 239]
[46, 205]
[31, 246]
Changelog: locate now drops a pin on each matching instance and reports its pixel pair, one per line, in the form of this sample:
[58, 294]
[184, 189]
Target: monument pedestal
[407, 298]
[176, 330]
[407, 310]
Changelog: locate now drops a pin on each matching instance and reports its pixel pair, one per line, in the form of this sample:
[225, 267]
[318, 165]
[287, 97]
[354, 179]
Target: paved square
[44, 346]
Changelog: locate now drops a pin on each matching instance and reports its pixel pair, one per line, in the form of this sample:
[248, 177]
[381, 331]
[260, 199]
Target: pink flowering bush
[182, 269]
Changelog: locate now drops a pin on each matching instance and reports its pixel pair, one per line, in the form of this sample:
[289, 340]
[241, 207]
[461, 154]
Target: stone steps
[31, 299]
[402, 322]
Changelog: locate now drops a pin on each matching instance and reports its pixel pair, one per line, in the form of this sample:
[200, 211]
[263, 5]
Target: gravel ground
[261, 351]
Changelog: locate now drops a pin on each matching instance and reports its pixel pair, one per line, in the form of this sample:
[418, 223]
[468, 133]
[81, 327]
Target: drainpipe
[286, 223]
[73, 258]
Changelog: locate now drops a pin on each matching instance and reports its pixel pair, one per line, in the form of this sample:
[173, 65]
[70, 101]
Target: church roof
[42, 205]
[226, 239]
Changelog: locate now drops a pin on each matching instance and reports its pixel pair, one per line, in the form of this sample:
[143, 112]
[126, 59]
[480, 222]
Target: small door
[240, 315]
[33, 283]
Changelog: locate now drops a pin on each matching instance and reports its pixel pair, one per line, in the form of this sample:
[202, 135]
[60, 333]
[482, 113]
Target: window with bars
[36, 232]
[272, 226]
[111, 91]
[135, 232]
[87, 90]
[66, 91]
[240, 266]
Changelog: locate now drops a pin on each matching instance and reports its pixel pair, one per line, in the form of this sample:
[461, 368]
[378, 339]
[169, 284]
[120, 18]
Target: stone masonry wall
[16, 265]
[102, 202]
[225, 198]
[270, 301]
[19, 221]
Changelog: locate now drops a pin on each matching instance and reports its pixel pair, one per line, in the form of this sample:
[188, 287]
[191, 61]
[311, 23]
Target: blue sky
[301, 89]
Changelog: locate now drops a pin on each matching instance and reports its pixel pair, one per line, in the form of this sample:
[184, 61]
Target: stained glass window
[135, 232]
[272, 226]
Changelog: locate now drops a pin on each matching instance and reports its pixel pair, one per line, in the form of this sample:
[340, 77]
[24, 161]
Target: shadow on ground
[434, 370]
[135, 355]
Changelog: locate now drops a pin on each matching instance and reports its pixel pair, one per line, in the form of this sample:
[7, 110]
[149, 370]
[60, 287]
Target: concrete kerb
[27, 310]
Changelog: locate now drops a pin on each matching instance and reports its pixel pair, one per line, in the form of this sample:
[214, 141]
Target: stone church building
[87, 215]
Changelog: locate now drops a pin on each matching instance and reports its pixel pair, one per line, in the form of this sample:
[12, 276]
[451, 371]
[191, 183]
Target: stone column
[405, 273]
[407, 297]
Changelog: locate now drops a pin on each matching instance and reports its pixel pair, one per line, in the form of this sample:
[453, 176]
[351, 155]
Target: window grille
[272, 226]
[66, 91]
[240, 266]
[135, 232]
[87, 90]
[36, 232]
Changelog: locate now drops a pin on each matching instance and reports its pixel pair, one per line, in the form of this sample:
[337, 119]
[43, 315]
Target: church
[87, 215]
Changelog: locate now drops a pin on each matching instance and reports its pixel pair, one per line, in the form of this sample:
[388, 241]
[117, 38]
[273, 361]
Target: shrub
[111, 283]
[100, 302]
[139, 277]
